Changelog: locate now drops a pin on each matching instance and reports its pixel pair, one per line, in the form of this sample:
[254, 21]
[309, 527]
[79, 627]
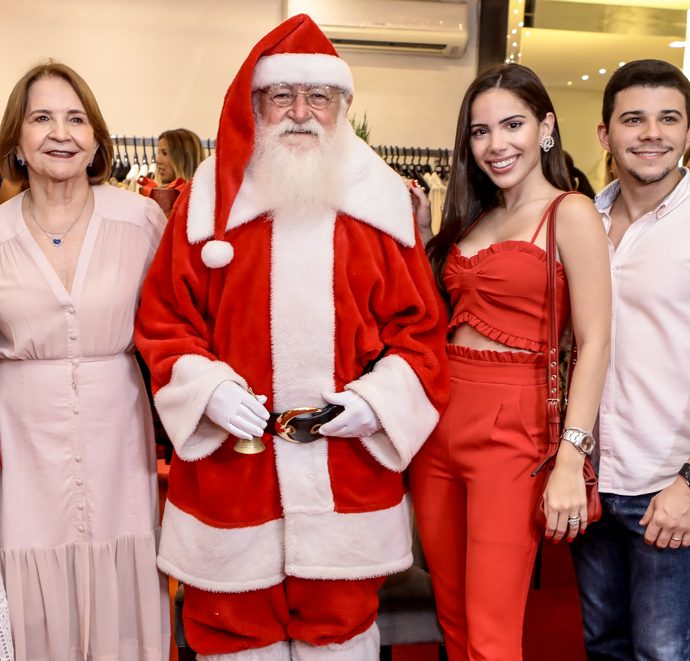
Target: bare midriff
[466, 336]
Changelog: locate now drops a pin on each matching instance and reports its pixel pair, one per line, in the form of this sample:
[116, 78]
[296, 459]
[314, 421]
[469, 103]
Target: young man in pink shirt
[633, 566]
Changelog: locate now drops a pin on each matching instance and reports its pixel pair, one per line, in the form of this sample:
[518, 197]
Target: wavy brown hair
[471, 191]
[13, 119]
[185, 151]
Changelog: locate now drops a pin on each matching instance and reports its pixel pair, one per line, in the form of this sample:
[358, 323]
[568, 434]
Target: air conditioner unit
[393, 26]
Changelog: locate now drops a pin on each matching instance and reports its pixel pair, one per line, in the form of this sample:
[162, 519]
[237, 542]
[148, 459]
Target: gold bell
[252, 446]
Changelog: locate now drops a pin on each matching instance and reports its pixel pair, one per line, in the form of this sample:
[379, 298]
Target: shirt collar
[605, 199]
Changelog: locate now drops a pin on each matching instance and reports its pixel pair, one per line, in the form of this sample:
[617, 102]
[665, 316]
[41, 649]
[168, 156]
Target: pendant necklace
[56, 238]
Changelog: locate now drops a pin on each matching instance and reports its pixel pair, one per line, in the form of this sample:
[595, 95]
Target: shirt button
[605, 453]
[605, 411]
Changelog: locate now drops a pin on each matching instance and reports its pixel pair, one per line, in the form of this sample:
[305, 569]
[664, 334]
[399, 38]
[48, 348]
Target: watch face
[587, 444]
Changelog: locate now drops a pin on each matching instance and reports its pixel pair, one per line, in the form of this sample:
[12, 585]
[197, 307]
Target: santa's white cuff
[182, 402]
[407, 416]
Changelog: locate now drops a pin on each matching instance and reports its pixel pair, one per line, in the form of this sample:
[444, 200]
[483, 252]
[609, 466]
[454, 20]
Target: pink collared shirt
[644, 416]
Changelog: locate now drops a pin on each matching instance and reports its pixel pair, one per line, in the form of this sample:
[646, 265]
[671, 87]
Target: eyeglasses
[317, 97]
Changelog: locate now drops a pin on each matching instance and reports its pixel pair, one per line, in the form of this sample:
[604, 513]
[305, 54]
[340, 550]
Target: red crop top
[502, 293]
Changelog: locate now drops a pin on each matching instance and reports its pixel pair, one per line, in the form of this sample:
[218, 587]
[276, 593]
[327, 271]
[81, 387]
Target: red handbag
[556, 402]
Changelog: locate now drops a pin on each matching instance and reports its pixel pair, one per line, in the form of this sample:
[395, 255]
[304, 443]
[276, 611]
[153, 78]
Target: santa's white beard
[300, 172]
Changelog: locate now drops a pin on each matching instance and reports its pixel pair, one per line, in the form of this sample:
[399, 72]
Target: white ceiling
[559, 56]
[659, 4]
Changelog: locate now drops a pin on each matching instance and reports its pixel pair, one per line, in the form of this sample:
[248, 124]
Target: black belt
[302, 425]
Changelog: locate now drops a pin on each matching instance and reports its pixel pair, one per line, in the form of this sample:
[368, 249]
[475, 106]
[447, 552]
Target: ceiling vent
[390, 26]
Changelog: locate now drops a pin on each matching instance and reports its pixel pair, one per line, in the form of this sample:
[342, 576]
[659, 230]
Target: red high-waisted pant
[475, 501]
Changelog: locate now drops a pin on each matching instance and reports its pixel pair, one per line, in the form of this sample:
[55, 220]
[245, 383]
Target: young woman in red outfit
[475, 499]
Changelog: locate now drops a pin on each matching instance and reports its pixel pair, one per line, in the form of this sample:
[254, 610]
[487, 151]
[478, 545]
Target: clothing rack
[413, 162]
[151, 142]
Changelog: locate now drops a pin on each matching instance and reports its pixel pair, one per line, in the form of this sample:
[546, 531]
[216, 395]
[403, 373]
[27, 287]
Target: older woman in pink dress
[78, 491]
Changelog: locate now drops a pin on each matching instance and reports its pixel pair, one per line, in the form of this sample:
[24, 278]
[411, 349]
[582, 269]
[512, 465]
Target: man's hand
[357, 420]
[237, 411]
[667, 518]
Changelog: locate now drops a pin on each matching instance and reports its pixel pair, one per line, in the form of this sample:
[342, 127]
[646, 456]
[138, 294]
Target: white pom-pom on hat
[217, 254]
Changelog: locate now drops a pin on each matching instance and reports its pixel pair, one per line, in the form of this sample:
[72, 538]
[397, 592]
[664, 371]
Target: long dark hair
[471, 191]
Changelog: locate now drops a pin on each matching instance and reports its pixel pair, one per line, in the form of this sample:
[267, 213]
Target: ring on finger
[676, 539]
[574, 521]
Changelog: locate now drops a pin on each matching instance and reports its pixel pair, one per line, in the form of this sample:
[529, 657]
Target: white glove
[237, 411]
[357, 420]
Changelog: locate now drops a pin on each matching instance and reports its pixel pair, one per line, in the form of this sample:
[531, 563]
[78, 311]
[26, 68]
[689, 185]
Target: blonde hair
[185, 151]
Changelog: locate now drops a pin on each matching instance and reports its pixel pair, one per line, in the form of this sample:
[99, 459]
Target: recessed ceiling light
[515, 44]
[570, 82]
[620, 64]
[677, 44]
[585, 77]
[602, 71]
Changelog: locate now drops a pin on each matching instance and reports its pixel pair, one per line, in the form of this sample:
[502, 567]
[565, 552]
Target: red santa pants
[474, 500]
[316, 612]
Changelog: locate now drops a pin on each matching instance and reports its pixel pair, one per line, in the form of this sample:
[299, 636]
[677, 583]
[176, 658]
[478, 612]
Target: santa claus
[287, 268]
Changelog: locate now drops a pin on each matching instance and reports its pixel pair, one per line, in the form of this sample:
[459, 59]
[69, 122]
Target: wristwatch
[685, 472]
[580, 438]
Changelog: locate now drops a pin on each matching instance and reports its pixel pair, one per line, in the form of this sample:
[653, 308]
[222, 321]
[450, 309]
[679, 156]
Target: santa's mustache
[289, 126]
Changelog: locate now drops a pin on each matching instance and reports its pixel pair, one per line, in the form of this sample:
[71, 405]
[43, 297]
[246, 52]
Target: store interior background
[161, 64]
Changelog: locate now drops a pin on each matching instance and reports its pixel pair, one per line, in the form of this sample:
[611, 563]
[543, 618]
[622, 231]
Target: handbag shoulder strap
[553, 401]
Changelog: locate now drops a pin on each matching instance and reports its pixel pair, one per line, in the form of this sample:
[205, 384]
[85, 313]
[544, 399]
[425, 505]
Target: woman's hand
[421, 210]
[565, 496]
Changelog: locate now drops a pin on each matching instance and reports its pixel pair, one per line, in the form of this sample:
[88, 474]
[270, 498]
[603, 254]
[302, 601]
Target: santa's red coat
[305, 303]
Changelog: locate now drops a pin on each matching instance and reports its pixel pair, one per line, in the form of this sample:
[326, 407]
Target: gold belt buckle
[283, 426]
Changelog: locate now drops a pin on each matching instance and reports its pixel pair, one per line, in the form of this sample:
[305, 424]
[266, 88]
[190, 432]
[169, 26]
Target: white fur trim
[306, 545]
[348, 546]
[202, 202]
[217, 254]
[220, 559]
[407, 416]
[307, 68]
[375, 194]
[276, 652]
[364, 647]
[302, 342]
[182, 402]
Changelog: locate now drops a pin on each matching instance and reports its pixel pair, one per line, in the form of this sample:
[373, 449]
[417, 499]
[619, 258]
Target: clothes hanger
[134, 169]
[152, 167]
[117, 163]
[126, 165]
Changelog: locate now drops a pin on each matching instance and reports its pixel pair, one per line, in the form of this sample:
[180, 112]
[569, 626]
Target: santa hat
[294, 52]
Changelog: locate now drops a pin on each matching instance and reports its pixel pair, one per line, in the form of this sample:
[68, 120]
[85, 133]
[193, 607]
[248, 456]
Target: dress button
[70, 310]
[75, 410]
[80, 528]
[72, 337]
[605, 453]
[75, 361]
[80, 506]
[77, 458]
[80, 482]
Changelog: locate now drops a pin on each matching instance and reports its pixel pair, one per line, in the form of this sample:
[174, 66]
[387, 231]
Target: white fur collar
[375, 195]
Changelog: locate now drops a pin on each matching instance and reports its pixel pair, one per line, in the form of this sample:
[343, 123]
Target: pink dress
[78, 488]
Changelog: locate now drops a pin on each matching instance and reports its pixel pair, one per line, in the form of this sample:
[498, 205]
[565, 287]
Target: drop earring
[21, 161]
[546, 142]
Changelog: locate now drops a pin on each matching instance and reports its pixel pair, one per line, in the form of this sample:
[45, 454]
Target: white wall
[579, 113]
[160, 64]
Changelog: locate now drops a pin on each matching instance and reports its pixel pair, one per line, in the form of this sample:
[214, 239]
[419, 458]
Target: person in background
[290, 279]
[78, 487]
[179, 153]
[578, 179]
[633, 566]
[474, 497]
